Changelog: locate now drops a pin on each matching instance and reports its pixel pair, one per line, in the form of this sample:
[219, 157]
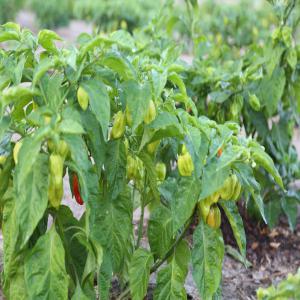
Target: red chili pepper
[76, 190]
[219, 152]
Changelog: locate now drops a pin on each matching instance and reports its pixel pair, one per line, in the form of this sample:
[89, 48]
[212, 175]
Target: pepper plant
[258, 87]
[117, 124]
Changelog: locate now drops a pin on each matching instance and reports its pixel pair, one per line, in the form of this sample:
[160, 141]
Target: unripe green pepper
[126, 145]
[184, 149]
[2, 159]
[118, 128]
[203, 208]
[254, 102]
[151, 148]
[214, 217]
[56, 164]
[16, 151]
[132, 168]
[237, 191]
[233, 126]
[63, 148]
[161, 171]
[128, 116]
[185, 164]
[227, 190]
[55, 192]
[151, 113]
[83, 98]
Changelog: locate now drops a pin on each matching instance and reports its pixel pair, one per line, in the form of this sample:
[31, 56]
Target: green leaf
[4, 125]
[149, 165]
[115, 165]
[17, 287]
[158, 81]
[46, 39]
[165, 125]
[271, 89]
[10, 231]
[123, 38]
[70, 126]
[105, 277]
[110, 222]
[82, 164]
[45, 274]
[264, 160]
[95, 139]
[160, 231]
[16, 94]
[42, 68]
[139, 272]
[79, 294]
[220, 96]
[32, 195]
[219, 171]
[120, 64]
[207, 258]
[183, 201]
[99, 102]
[170, 279]
[137, 97]
[289, 205]
[68, 226]
[236, 223]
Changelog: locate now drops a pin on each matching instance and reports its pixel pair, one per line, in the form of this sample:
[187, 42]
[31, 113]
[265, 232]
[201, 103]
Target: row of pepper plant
[115, 121]
[257, 86]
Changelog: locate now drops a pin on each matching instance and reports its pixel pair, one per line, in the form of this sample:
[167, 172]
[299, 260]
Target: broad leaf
[236, 223]
[115, 165]
[170, 279]
[99, 102]
[207, 258]
[110, 222]
[45, 274]
[160, 231]
[139, 273]
[32, 196]
[137, 98]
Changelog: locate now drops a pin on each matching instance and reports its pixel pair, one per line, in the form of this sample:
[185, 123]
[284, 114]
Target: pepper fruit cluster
[208, 208]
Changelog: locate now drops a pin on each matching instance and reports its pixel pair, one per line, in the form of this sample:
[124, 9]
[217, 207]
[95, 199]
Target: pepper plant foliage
[258, 87]
[108, 113]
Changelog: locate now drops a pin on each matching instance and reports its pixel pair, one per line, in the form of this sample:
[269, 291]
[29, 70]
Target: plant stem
[141, 222]
[167, 255]
[171, 250]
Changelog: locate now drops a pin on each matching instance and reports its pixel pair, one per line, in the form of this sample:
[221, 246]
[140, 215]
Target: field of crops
[149, 149]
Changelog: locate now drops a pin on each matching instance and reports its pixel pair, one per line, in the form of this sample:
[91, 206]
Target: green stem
[141, 222]
[171, 250]
[167, 255]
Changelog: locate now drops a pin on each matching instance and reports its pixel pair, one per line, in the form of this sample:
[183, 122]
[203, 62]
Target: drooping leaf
[139, 273]
[99, 102]
[207, 258]
[32, 195]
[170, 279]
[236, 224]
[45, 274]
[115, 165]
[137, 97]
[110, 222]
[160, 231]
